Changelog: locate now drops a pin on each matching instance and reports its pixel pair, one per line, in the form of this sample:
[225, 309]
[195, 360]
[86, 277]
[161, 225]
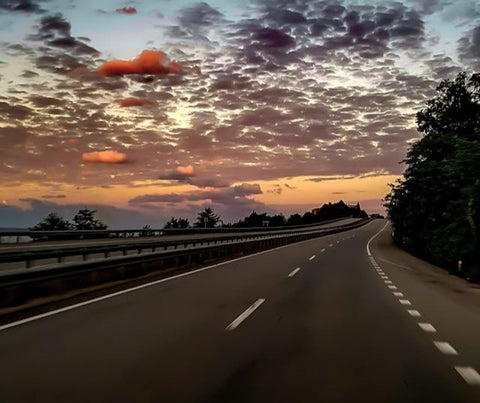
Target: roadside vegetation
[207, 218]
[435, 208]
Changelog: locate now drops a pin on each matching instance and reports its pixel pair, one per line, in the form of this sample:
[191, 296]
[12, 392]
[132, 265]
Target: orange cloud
[185, 171]
[148, 62]
[127, 10]
[127, 102]
[106, 157]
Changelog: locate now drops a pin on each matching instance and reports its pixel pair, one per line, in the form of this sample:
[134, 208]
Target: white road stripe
[373, 237]
[445, 347]
[388, 282]
[245, 314]
[331, 245]
[392, 287]
[469, 374]
[139, 287]
[398, 294]
[405, 302]
[312, 257]
[323, 250]
[294, 272]
[414, 313]
[427, 327]
[384, 277]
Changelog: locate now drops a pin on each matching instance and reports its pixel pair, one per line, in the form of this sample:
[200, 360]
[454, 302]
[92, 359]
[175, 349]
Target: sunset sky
[147, 109]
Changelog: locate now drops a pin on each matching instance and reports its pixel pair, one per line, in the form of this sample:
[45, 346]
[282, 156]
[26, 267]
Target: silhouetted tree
[295, 219]
[52, 222]
[85, 220]
[177, 223]
[435, 208]
[207, 218]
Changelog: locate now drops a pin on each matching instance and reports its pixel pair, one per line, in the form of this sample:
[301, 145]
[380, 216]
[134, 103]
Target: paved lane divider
[245, 314]
[469, 374]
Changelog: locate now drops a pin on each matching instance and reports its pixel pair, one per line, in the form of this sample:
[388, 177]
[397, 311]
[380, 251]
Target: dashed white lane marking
[388, 282]
[405, 302]
[331, 245]
[469, 374]
[427, 327]
[323, 250]
[398, 294]
[245, 314]
[384, 277]
[312, 257]
[414, 313]
[294, 272]
[392, 287]
[445, 347]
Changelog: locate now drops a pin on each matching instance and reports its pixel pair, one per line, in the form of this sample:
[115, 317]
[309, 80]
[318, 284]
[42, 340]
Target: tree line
[435, 208]
[207, 218]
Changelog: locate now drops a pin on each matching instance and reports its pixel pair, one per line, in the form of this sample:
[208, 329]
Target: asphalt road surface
[316, 321]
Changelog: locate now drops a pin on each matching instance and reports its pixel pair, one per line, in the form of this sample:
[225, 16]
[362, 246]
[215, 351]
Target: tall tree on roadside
[207, 218]
[85, 220]
[434, 210]
[177, 223]
[53, 222]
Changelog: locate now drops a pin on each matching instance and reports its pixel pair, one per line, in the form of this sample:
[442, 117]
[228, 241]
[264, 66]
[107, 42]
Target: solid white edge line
[469, 374]
[373, 237]
[445, 347]
[139, 287]
[245, 314]
[295, 271]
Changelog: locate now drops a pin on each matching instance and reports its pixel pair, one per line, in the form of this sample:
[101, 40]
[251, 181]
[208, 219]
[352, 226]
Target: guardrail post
[85, 257]
[60, 259]
[28, 264]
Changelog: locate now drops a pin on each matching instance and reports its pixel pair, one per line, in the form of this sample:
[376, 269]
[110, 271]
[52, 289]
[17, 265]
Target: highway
[315, 321]
[32, 246]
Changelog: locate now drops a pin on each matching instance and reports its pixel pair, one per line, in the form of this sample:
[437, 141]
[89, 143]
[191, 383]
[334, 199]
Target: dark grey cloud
[22, 6]
[469, 47]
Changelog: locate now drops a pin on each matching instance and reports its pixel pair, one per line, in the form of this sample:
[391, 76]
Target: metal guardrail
[21, 285]
[35, 258]
[25, 236]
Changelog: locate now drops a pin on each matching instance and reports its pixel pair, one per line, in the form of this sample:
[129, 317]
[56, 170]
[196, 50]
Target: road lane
[333, 332]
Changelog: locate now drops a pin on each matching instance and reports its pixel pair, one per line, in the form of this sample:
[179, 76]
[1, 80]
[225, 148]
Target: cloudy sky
[151, 108]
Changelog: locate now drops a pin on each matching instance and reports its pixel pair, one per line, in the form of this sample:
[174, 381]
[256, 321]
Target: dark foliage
[53, 222]
[85, 220]
[435, 209]
[177, 223]
[207, 218]
[328, 211]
